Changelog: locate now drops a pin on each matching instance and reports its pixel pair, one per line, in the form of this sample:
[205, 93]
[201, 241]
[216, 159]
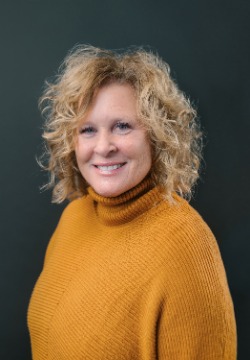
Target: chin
[109, 192]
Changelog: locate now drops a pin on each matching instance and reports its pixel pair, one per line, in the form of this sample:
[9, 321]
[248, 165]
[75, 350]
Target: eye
[122, 127]
[87, 130]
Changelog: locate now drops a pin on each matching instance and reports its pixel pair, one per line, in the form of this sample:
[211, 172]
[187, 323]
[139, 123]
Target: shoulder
[69, 225]
[74, 216]
[179, 220]
[184, 238]
[76, 208]
[191, 261]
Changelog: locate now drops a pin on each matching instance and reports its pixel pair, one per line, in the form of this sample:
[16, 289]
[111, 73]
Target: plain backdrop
[207, 45]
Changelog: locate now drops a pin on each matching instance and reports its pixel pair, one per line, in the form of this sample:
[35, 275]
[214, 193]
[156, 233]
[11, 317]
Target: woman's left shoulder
[181, 216]
[180, 227]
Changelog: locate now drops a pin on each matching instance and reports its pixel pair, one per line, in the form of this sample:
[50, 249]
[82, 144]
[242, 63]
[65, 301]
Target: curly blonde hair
[163, 109]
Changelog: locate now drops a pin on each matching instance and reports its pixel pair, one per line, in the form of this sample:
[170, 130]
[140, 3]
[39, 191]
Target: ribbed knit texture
[132, 278]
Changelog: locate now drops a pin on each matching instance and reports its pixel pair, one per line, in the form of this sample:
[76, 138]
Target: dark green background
[206, 43]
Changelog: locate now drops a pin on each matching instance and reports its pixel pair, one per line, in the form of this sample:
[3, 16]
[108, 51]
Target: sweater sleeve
[196, 318]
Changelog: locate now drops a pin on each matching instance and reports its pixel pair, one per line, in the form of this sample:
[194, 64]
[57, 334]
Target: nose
[105, 144]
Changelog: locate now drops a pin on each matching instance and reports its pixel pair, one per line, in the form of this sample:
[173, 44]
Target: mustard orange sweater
[132, 278]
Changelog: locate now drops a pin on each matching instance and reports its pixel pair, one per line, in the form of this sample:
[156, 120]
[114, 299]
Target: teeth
[109, 168]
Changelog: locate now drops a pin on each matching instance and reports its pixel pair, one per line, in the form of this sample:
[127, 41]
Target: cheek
[147, 156]
[82, 152]
[140, 151]
[78, 154]
[146, 150]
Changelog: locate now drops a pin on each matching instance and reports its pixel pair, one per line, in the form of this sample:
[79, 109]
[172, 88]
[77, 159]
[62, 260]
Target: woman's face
[112, 150]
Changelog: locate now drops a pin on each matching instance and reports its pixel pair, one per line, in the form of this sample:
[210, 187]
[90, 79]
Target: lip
[109, 168]
[110, 163]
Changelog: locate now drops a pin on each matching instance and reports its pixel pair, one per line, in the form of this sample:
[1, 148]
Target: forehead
[116, 92]
[113, 98]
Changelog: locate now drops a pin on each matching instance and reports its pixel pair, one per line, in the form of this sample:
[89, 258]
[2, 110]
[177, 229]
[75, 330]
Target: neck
[127, 206]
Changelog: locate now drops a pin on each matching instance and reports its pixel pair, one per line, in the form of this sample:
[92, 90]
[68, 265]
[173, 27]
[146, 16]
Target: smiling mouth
[109, 167]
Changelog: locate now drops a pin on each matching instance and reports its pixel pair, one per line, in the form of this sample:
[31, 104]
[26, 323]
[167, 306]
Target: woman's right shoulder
[76, 207]
[71, 217]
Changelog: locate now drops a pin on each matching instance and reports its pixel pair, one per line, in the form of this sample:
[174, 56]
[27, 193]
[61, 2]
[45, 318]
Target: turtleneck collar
[127, 206]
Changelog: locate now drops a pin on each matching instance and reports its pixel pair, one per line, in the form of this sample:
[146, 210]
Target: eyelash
[87, 130]
[121, 126]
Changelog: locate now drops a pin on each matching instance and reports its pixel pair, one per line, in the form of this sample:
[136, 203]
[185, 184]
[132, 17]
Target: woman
[131, 271]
